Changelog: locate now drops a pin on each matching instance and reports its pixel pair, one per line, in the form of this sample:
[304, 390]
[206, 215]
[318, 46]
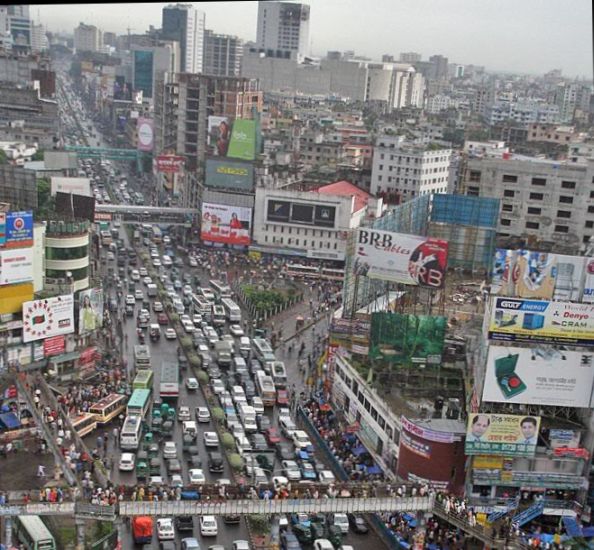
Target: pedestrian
[41, 470]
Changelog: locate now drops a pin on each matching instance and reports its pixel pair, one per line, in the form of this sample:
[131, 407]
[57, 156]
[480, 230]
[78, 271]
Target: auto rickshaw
[264, 462]
[142, 469]
[155, 466]
[335, 535]
[165, 410]
[303, 533]
[157, 425]
[156, 413]
[147, 441]
[142, 456]
[167, 428]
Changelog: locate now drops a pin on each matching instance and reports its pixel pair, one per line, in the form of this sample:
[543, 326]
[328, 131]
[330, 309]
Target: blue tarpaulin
[572, 527]
[588, 532]
[359, 450]
[374, 470]
[10, 421]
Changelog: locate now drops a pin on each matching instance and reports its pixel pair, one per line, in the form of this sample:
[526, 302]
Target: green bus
[139, 403]
[33, 534]
[143, 380]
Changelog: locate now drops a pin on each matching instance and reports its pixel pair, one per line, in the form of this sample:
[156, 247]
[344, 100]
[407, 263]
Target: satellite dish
[546, 221]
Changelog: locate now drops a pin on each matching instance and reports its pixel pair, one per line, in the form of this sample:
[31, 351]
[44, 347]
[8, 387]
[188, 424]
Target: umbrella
[325, 407]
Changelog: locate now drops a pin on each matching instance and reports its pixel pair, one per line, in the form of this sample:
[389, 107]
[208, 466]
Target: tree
[39, 155]
[3, 157]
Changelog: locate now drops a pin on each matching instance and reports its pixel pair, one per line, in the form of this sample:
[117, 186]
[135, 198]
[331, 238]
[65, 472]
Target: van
[244, 346]
[190, 428]
[166, 261]
[239, 364]
[151, 290]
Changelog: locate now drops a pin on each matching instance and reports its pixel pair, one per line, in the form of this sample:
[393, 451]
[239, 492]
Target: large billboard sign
[222, 223]
[90, 313]
[407, 339]
[502, 434]
[229, 175]
[170, 164]
[16, 266]
[317, 215]
[528, 274]
[19, 229]
[77, 186]
[407, 259]
[234, 140]
[539, 376]
[146, 134]
[47, 318]
[541, 321]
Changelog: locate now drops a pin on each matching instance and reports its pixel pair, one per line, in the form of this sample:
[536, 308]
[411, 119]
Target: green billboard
[232, 175]
[407, 339]
[243, 140]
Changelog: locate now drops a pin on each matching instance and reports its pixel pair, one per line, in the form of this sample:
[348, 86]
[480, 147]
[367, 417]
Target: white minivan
[244, 346]
[166, 261]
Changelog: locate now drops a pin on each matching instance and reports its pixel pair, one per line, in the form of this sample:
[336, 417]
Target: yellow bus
[84, 423]
[109, 407]
[143, 380]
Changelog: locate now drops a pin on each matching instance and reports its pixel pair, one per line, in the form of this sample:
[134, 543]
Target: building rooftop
[443, 425]
[346, 189]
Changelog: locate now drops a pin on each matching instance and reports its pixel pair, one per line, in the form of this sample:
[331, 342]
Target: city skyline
[540, 36]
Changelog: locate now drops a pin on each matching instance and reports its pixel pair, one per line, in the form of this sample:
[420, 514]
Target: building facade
[222, 54]
[87, 38]
[184, 23]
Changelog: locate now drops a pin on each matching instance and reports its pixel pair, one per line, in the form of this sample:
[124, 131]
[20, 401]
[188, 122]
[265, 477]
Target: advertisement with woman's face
[222, 223]
[90, 313]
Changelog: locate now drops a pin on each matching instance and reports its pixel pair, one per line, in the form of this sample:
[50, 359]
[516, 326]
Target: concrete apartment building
[185, 24]
[522, 113]
[222, 54]
[408, 169]
[540, 199]
[87, 38]
[551, 133]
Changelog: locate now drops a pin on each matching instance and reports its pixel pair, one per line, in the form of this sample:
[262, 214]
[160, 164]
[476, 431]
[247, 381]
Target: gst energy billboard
[90, 313]
[222, 223]
[539, 376]
[49, 317]
[541, 321]
[406, 259]
[502, 434]
[407, 339]
[229, 175]
[16, 266]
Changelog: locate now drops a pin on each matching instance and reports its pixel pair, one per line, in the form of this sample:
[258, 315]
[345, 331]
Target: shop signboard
[428, 434]
[170, 164]
[54, 346]
[502, 434]
[16, 266]
[48, 317]
[540, 321]
[415, 446]
[539, 376]
[222, 223]
[406, 259]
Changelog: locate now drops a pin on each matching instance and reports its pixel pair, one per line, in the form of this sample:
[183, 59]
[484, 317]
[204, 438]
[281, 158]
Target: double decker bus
[201, 306]
[139, 403]
[34, 534]
[265, 388]
[84, 423]
[108, 408]
[332, 274]
[232, 310]
[221, 289]
[143, 380]
[299, 271]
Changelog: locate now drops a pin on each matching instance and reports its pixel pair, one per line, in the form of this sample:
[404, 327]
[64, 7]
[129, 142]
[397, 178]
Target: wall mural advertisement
[407, 339]
[47, 318]
[539, 376]
[222, 223]
[502, 434]
[540, 321]
[407, 259]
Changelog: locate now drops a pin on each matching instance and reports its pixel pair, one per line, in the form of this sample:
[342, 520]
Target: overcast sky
[528, 36]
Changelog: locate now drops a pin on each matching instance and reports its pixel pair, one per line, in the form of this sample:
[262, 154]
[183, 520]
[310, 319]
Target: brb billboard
[222, 223]
[47, 318]
[407, 259]
[502, 434]
[541, 321]
[407, 339]
[539, 376]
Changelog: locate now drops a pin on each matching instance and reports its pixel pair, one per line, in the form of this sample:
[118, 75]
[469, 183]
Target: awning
[73, 355]
[10, 421]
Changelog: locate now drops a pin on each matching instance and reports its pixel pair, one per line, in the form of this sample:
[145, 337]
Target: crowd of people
[79, 397]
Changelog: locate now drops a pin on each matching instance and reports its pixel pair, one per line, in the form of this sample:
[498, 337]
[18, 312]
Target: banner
[429, 435]
[19, 229]
[540, 321]
[588, 294]
[90, 313]
[539, 376]
[16, 266]
[407, 259]
[146, 134]
[54, 346]
[415, 446]
[170, 164]
[225, 174]
[222, 223]
[564, 438]
[501, 434]
[219, 135]
[407, 339]
[47, 318]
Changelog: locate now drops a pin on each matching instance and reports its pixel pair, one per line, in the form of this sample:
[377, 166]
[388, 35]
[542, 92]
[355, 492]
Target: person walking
[41, 470]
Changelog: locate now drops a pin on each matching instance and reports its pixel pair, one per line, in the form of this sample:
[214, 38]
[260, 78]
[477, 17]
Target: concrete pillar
[80, 534]
[8, 531]
[121, 529]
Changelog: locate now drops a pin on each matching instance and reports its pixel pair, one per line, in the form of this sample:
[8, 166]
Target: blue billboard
[19, 229]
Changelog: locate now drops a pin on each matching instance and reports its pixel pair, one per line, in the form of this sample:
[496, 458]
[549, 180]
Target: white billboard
[588, 295]
[222, 223]
[16, 266]
[76, 186]
[539, 376]
[49, 317]
[407, 259]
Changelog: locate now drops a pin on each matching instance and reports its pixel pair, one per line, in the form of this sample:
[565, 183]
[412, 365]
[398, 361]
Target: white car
[127, 461]
[291, 469]
[242, 443]
[165, 529]
[154, 253]
[211, 439]
[188, 326]
[170, 450]
[342, 521]
[147, 280]
[135, 275]
[156, 262]
[236, 330]
[258, 405]
[158, 307]
[187, 290]
[208, 526]
[203, 414]
[217, 386]
[326, 476]
[167, 240]
[191, 384]
[130, 300]
[183, 413]
[197, 319]
[143, 272]
[193, 262]
[170, 334]
[240, 545]
[138, 294]
[196, 476]
[300, 439]
[176, 481]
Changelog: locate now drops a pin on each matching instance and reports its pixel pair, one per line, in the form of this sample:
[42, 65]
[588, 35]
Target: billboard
[2, 229]
[90, 312]
[588, 293]
[171, 164]
[16, 266]
[502, 434]
[528, 274]
[54, 346]
[78, 186]
[47, 318]
[122, 91]
[540, 321]
[539, 376]
[75, 206]
[19, 229]
[232, 139]
[229, 175]
[318, 215]
[407, 259]
[407, 339]
[222, 223]
[13, 296]
[146, 134]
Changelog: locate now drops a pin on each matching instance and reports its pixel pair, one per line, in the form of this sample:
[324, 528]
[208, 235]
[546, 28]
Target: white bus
[221, 289]
[263, 350]
[131, 433]
[299, 271]
[169, 386]
[201, 306]
[207, 294]
[265, 388]
[232, 310]
[218, 315]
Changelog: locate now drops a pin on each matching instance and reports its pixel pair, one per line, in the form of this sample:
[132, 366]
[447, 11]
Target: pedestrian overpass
[148, 214]
[104, 152]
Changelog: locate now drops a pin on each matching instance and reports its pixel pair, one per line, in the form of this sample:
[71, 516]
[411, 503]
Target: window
[475, 175]
[539, 181]
[565, 199]
[590, 209]
[505, 222]
[561, 229]
[536, 196]
[532, 225]
[563, 214]
[534, 210]
[568, 184]
[589, 224]
[508, 178]
[507, 207]
[473, 191]
[509, 193]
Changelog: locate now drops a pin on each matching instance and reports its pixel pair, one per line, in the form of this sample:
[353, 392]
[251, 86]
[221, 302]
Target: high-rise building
[439, 67]
[5, 36]
[184, 23]
[283, 29]
[39, 41]
[410, 57]
[150, 65]
[20, 26]
[87, 38]
[222, 54]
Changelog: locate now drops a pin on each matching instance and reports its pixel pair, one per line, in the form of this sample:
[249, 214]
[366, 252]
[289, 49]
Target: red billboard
[53, 346]
[222, 223]
[171, 164]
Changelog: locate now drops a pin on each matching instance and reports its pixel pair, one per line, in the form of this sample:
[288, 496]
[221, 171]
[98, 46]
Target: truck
[142, 529]
[224, 352]
[142, 356]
